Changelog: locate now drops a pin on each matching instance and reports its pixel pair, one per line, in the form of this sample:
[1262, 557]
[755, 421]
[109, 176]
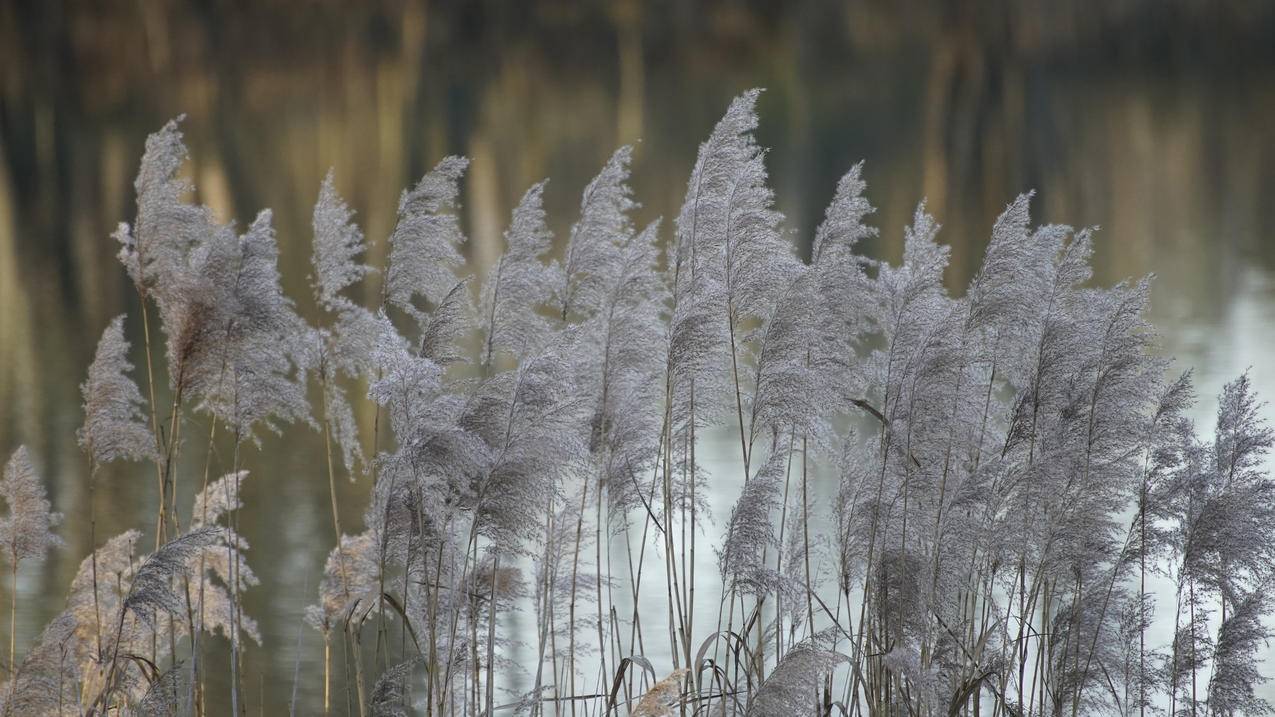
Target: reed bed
[1013, 465]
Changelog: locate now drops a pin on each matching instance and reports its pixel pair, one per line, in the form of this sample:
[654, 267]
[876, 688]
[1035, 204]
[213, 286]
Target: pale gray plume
[338, 242]
[47, 680]
[1243, 438]
[447, 324]
[250, 372]
[922, 681]
[323, 354]
[390, 695]
[167, 228]
[152, 589]
[406, 383]
[1044, 348]
[520, 283]
[528, 417]
[344, 429]
[750, 532]
[595, 244]
[1004, 279]
[1241, 639]
[166, 695]
[916, 286]
[790, 688]
[350, 347]
[349, 582]
[698, 338]
[220, 498]
[842, 227]
[232, 336]
[114, 567]
[729, 217]
[787, 392]
[344, 348]
[909, 310]
[26, 530]
[223, 613]
[842, 288]
[425, 245]
[114, 410]
[623, 372]
[728, 259]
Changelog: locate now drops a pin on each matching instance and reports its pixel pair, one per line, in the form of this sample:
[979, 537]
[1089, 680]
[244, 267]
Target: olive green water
[1158, 127]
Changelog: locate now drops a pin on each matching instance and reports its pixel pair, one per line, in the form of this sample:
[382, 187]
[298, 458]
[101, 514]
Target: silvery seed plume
[594, 247]
[619, 368]
[47, 680]
[406, 384]
[166, 697]
[253, 375]
[347, 347]
[349, 582]
[442, 332]
[218, 500]
[114, 410]
[841, 286]
[390, 695]
[698, 338]
[114, 569]
[26, 530]
[909, 310]
[338, 242]
[345, 431]
[1242, 637]
[1041, 344]
[520, 283]
[842, 227]
[749, 532]
[154, 250]
[151, 592]
[911, 296]
[789, 688]
[527, 417]
[923, 682]
[400, 514]
[1010, 321]
[982, 324]
[338, 415]
[1238, 532]
[728, 217]
[997, 289]
[787, 394]
[223, 613]
[342, 349]
[425, 246]
[1243, 438]
[436, 454]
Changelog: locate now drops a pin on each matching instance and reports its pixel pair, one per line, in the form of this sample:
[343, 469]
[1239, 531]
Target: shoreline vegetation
[1013, 465]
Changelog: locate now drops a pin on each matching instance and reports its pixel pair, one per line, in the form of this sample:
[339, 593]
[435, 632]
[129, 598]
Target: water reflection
[1159, 134]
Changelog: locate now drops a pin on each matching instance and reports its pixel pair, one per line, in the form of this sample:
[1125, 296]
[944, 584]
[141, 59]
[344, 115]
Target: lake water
[1170, 151]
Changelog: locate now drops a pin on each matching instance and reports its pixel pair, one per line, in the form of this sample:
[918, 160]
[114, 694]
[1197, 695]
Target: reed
[1011, 463]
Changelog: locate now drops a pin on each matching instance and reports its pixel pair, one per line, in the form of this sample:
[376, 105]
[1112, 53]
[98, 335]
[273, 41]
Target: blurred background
[1154, 119]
